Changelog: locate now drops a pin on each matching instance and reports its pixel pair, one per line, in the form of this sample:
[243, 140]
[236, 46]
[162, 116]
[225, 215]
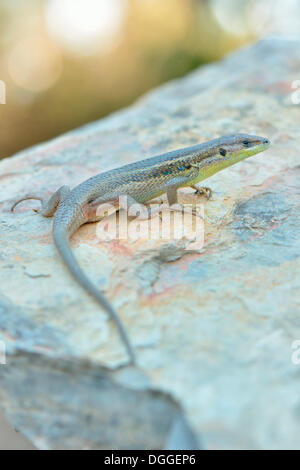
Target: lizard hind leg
[48, 206]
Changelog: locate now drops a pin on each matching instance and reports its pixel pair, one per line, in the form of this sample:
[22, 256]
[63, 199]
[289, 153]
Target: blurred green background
[68, 62]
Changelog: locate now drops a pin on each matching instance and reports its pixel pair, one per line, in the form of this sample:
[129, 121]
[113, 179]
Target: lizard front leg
[48, 206]
[207, 192]
[172, 188]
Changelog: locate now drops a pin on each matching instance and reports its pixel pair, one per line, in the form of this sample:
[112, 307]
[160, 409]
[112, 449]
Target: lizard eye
[222, 152]
[246, 143]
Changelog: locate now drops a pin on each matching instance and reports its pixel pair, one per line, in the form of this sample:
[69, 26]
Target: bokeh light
[68, 62]
[258, 17]
[34, 63]
[84, 26]
[230, 15]
[283, 16]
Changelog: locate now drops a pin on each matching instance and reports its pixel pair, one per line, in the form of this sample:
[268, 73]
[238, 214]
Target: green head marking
[228, 150]
[240, 146]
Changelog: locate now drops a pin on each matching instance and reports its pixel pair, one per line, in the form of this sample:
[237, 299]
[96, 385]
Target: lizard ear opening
[222, 152]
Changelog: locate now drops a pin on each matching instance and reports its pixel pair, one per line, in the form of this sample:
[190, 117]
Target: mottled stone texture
[212, 328]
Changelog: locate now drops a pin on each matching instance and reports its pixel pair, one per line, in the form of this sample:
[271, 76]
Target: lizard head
[240, 146]
[226, 151]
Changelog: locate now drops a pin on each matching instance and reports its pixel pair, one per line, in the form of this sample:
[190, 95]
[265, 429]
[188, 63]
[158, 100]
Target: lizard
[140, 182]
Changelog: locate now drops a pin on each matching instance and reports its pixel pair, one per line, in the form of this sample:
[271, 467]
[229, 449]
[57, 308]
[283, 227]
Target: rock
[212, 326]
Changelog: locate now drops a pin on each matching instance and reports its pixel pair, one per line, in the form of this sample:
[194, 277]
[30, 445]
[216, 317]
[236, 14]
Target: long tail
[61, 240]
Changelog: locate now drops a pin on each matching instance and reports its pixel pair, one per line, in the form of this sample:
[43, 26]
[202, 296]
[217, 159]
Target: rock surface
[212, 328]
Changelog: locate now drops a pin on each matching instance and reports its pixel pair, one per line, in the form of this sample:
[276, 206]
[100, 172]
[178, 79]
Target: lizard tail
[25, 198]
[61, 240]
